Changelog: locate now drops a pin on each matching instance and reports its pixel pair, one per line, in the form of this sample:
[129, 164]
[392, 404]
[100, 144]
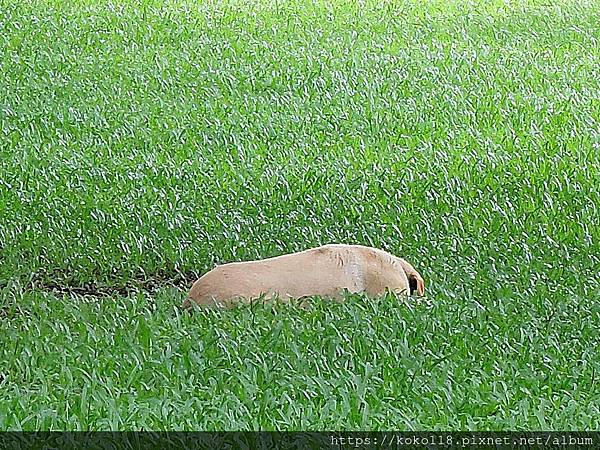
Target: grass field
[141, 143]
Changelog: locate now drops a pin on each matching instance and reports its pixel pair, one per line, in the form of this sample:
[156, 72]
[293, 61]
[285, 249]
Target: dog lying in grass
[323, 271]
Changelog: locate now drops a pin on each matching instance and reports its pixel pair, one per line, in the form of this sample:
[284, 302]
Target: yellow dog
[323, 271]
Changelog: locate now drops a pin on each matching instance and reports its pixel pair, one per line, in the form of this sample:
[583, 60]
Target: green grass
[144, 144]
[139, 363]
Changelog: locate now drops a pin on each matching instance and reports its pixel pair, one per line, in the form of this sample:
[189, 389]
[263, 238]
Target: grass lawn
[141, 143]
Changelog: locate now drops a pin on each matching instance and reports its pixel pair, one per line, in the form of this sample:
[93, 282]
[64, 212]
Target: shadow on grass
[62, 284]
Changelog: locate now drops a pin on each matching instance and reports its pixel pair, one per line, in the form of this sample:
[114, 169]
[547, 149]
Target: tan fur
[323, 271]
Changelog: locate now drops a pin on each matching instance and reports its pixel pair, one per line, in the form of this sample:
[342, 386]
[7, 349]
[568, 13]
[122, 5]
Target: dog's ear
[415, 281]
[420, 286]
